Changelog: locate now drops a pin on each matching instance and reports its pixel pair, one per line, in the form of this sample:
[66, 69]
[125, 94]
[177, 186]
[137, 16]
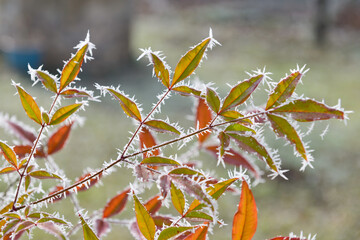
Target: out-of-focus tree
[52, 27]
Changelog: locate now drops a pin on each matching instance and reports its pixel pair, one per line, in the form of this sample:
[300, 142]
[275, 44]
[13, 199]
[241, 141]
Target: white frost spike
[213, 42]
[91, 46]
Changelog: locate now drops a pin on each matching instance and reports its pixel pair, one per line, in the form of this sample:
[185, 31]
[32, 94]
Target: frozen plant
[230, 128]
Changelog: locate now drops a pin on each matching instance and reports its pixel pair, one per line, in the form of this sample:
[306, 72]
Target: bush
[229, 128]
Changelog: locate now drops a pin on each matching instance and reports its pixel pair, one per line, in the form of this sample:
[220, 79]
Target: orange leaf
[146, 141]
[153, 205]
[245, 219]
[91, 182]
[116, 204]
[203, 119]
[58, 139]
[199, 234]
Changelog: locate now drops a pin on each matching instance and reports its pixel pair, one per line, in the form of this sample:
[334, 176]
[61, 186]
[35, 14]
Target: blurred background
[278, 34]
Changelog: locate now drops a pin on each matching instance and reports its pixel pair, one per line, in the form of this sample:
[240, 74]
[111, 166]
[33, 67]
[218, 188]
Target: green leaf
[144, 220]
[127, 105]
[63, 113]
[283, 128]
[212, 99]
[184, 171]
[52, 219]
[189, 62]
[237, 127]
[309, 110]
[159, 161]
[30, 106]
[72, 68]
[12, 215]
[45, 117]
[187, 91]
[241, 92]
[47, 81]
[27, 182]
[9, 154]
[161, 72]
[283, 90]
[71, 93]
[250, 144]
[41, 174]
[7, 170]
[224, 142]
[171, 232]
[161, 126]
[198, 216]
[177, 198]
[87, 231]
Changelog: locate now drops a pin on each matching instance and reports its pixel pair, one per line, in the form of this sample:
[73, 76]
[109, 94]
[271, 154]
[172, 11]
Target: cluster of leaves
[227, 128]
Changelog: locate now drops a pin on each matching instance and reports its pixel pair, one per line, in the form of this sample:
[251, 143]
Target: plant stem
[123, 158]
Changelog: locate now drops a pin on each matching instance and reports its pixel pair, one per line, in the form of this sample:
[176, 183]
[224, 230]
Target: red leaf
[164, 184]
[116, 204]
[234, 158]
[153, 205]
[22, 133]
[245, 219]
[287, 238]
[146, 141]
[91, 182]
[58, 139]
[23, 150]
[101, 227]
[203, 119]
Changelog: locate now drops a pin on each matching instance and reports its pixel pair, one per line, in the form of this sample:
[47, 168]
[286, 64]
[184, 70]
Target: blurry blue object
[20, 58]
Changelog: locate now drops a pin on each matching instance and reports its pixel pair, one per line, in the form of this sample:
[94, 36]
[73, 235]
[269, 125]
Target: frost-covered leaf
[51, 228]
[184, 171]
[283, 90]
[87, 231]
[283, 128]
[9, 154]
[22, 132]
[161, 126]
[234, 158]
[250, 144]
[90, 183]
[178, 199]
[153, 204]
[73, 93]
[187, 91]
[161, 72]
[42, 174]
[213, 100]
[287, 238]
[237, 127]
[203, 119]
[199, 234]
[144, 220]
[224, 142]
[245, 219]
[161, 220]
[198, 216]
[127, 105]
[164, 185]
[30, 106]
[47, 81]
[170, 232]
[72, 68]
[63, 113]
[188, 63]
[101, 227]
[12, 215]
[58, 139]
[214, 191]
[147, 141]
[116, 204]
[27, 182]
[241, 92]
[309, 110]
[52, 219]
[159, 161]
[192, 188]
[22, 150]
